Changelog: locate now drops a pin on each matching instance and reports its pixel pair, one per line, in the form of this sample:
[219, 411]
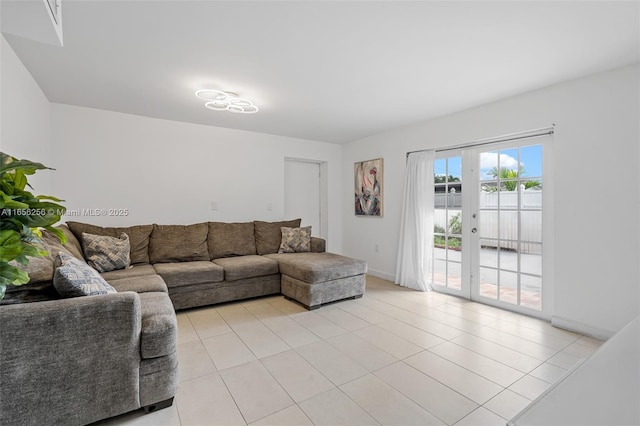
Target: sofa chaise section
[315, 279]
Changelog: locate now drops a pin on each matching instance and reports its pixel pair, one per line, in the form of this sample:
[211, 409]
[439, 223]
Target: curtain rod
[505, 138]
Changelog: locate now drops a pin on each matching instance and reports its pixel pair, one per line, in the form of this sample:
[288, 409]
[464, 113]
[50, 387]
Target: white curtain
[415, 254]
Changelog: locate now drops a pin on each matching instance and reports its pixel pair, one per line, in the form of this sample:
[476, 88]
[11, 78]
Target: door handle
[474, 230]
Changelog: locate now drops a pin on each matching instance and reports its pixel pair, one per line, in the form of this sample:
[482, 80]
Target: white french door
[491, 227]
[449, 246]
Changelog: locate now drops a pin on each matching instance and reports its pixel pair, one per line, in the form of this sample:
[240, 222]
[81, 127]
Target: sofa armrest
[318, 245]
[70, 361]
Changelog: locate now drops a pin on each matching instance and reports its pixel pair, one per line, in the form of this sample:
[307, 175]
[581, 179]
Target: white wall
[25, 117]
[169, 172]
[596, 272]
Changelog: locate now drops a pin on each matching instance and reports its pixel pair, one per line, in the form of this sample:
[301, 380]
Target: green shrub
[22, 215]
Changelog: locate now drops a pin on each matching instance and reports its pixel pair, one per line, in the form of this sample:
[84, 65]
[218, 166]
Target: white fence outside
[504, 223]
[531, 199]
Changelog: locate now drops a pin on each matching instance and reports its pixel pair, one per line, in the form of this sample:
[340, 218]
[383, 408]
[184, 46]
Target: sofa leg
[158, 406]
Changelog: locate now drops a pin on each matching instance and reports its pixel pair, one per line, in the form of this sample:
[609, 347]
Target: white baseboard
[581, 328]
[382, 275]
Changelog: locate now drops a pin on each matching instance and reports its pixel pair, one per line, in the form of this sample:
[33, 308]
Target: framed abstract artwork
[368, 186]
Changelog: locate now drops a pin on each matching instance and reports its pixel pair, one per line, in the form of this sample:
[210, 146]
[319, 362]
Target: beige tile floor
[394, 357]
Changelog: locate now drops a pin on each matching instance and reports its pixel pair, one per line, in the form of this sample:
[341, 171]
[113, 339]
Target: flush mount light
[218, 100]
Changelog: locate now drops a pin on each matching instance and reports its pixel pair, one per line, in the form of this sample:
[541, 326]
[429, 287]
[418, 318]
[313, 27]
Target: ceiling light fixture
[218, 100]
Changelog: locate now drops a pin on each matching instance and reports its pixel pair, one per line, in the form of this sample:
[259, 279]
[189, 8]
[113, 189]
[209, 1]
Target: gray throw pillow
[106, 253]
[74, 278]
[295, 240]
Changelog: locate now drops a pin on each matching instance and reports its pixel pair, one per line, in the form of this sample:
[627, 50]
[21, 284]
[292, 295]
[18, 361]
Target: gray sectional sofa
[82, 359]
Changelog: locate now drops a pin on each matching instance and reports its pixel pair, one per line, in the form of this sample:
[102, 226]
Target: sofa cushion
[72, 246]
[104, 253]
[73, 278]
[318, 245]
[130, 272]
[138, 237]
[140, 284]
[40, 269]
[238, 268]
[28, 293]
[178, 243]
[318, 267]
[268, 234]
[231, 239]
[188, 273]
[295, 240]
[158, 336]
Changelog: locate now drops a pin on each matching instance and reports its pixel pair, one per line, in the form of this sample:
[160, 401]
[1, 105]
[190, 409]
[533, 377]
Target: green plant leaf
[43, 214]
[6, 185]
[12, 275]
[10, 245]
[21, 216]
[9, 202]
[58, 233]
[9, 163]
[50, 198]
[11, 224]
[19, 179]
[31, 250]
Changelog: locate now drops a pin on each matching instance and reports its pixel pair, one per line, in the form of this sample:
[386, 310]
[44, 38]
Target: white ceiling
[326, 71]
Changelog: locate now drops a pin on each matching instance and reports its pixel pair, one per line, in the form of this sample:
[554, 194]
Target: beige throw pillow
[106, 254]
[295, 240]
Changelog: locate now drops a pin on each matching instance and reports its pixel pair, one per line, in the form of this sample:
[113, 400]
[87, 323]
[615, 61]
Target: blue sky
[530, 157]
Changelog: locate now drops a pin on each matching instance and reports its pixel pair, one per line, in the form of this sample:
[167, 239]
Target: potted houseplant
[22, 216]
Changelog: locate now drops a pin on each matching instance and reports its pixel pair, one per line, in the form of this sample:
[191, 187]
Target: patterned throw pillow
[75, 278]
[106, 253]
[295, 240]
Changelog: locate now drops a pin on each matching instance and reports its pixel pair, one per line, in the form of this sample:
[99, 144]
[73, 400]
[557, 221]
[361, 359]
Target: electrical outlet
[214, 205]
[376, 247]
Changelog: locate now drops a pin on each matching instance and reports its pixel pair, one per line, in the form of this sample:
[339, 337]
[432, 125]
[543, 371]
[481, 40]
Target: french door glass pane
[439, 271]
[510, 225]
[508, 287]
[488, 283]
[488, 255]
[530, 222]
[454, 275]
[531, 259]
[531, 157]
[488, 224]
[531, 293]
[508, 257]
[447, 240]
